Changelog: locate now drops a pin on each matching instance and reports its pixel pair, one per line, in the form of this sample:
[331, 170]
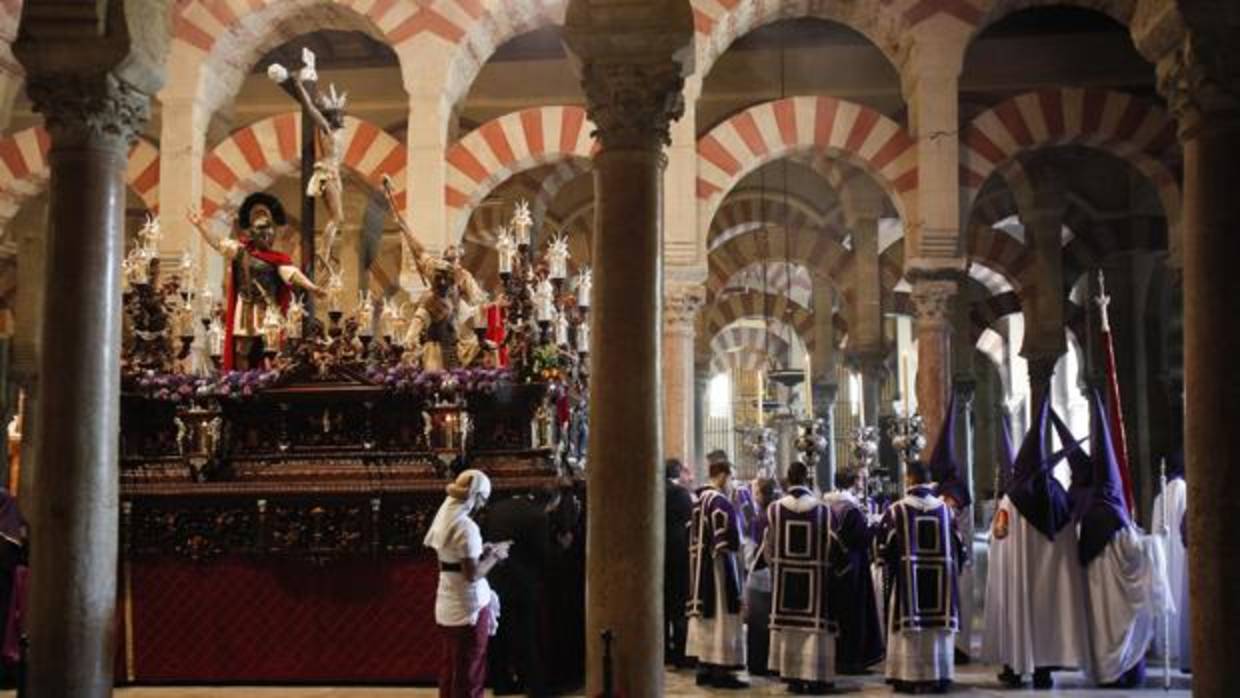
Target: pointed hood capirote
[943, 466]
[1082, 466]
[1107, 511]
[1034, 491]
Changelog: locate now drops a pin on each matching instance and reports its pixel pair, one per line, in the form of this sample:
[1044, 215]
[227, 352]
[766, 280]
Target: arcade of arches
[907, 201]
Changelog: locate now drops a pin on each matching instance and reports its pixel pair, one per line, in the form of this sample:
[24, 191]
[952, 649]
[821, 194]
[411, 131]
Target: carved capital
[99, 109]
[633, 105]
[932, 302]
[1198, 78]
[681, 303]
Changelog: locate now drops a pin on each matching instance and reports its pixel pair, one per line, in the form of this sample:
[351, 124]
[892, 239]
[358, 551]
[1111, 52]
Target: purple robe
[923, 554]
[799, 546]
[714, 532]
[855, 607]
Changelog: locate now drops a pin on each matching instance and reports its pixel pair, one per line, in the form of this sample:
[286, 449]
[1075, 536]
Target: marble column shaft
[74, 546]
[632, 105]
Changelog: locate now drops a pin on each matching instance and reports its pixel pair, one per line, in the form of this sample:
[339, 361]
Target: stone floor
[976, 680]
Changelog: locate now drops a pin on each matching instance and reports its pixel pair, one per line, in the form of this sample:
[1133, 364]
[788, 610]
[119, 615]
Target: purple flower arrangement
[179, 387]
[447, 385]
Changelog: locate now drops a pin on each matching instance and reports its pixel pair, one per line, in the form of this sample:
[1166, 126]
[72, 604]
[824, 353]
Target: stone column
[932, 298]
[680, 306]
[1200, 82]
[701, 415]
[629, 61]
[93, 90]
[183, 123]
[874, 374]
[74, 547]
[933, 254]
[1041, 208]
[1041, 371]
[824, 363]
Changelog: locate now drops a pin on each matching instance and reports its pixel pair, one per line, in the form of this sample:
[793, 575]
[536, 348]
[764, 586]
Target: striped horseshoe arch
[502, 147]
[1130, 128]
[24, 170]
[771, 130]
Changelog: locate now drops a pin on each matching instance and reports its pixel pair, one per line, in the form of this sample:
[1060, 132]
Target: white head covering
[470, 487]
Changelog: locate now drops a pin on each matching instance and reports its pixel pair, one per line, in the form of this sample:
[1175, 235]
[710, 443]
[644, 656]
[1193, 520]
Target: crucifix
[322, 151]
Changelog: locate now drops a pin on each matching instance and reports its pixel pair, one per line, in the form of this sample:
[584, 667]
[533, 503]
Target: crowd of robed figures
[809, 586]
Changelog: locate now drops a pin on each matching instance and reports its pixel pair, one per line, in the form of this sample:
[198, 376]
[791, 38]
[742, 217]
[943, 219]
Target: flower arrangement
[442, 385]
[180, 387]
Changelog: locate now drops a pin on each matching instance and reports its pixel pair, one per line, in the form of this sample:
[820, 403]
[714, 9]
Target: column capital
[932, 301]
[633, 105]
[89, 108]
[1199, 77]
[632, 57]
[681, 303]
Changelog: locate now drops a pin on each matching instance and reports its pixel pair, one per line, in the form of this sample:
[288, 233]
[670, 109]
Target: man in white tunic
[923, 555]
[716, 632]
[1169, 510]
[1035, 602]
[1124, 573]
[799, 545]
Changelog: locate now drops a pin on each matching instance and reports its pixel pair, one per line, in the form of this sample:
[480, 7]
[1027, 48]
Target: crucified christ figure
[327, 112]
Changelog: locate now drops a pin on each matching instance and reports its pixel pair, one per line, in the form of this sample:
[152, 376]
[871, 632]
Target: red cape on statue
[285, 294]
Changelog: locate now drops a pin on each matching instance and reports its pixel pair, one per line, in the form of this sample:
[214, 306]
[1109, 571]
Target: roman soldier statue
[257, 276]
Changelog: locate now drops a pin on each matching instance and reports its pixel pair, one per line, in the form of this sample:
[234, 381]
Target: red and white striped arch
[789, 279]
[745, 211]
[255, 156]
[718, 23]
[1132, 129]
[504, 146]
[24, 170]
[564, 172]
[821, 253]
[771, 130]
[747, 346]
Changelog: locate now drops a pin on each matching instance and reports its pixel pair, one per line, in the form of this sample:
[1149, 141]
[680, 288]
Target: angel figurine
[327, 112]
[585, 286]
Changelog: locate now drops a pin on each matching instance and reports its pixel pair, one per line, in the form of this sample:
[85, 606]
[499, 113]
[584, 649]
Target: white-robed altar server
[1169, 507]
[1035, 598]
[918, 546]
[716, 634]
[799, 546]
[1124, 573]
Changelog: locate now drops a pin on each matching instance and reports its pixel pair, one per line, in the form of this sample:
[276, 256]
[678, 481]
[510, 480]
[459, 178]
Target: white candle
[561, 329]
[506, 247]
[585, 285]
[583, 337]
[557, 258]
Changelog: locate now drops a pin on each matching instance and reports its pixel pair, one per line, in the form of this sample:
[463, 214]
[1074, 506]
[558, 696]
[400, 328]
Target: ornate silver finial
[1102, 301]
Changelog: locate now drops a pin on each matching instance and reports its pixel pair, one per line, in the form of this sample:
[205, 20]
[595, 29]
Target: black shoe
[1009, 678]
[796, 687]
[902, 686]
[941, 686]
[728, 681]
[703, 678]
[1042, 679]
[818, 688]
